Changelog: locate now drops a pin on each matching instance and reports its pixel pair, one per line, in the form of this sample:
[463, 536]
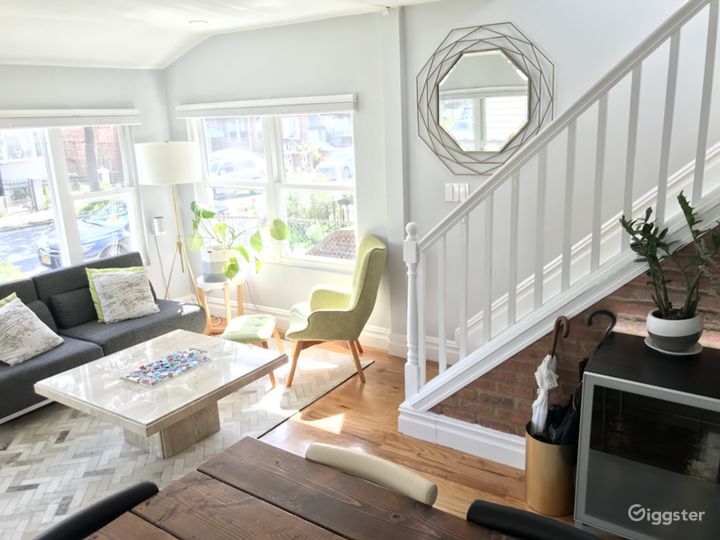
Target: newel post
[410, 255]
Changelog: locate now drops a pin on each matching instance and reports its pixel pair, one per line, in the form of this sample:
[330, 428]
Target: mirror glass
[484, 101]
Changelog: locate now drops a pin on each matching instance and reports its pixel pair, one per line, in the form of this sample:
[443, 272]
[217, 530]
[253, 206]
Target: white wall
[335, 56]
[43, 87]
[583, 39]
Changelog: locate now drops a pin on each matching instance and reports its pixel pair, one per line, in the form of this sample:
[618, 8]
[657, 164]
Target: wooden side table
[204, 287]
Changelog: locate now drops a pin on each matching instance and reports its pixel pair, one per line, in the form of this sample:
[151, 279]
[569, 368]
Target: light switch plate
[449, 193]
[455, 192]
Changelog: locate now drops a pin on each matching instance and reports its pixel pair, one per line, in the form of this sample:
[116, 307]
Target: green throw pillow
[92, 272]
[8, 299]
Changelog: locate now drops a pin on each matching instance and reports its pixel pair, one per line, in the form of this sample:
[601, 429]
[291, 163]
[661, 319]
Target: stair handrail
[633, 59]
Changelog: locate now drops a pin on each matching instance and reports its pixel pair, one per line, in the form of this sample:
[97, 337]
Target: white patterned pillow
[23, 335]
[124, 295]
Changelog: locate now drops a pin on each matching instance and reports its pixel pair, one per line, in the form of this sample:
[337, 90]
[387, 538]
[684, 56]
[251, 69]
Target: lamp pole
[180, 251]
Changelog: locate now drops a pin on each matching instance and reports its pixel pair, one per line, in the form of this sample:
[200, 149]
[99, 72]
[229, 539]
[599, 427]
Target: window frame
[64, 202]
[275, 186]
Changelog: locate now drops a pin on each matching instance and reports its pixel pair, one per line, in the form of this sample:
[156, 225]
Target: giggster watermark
[638, 512]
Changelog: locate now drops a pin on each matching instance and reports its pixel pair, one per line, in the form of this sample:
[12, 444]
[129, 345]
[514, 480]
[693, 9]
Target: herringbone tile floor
[56, 460]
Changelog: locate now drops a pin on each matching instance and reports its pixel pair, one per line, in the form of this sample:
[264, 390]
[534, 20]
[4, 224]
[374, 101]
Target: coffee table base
[181, 435]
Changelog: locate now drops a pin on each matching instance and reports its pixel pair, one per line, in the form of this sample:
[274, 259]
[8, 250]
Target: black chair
[522, 524]
[97, 515]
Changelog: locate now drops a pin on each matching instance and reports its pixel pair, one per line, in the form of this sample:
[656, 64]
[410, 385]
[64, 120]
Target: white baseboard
[372, 336]
[470, 438]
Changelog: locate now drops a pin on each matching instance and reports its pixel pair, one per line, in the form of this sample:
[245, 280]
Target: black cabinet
[649, 450]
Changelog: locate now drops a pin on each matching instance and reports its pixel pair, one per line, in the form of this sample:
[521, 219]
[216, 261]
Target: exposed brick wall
[502, 398]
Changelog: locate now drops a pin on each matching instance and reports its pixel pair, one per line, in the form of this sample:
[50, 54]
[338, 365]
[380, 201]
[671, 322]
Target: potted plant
[674, 328]
[222, 244]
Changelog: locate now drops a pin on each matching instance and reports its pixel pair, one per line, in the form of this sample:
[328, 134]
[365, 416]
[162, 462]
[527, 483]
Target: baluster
[512, 263]
[421, 317]
[599, 176]
[487, 269]
[540, 229]
[705, 103]
[465, 238]
[631, 148]
[667, 128]
[410, 256]
[567, 217]
[442, 299]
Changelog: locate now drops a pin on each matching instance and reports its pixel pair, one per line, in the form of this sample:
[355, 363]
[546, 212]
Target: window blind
[266, 107]
[56, 118]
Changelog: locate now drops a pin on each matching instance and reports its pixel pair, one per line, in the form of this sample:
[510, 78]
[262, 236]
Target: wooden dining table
[254, 490]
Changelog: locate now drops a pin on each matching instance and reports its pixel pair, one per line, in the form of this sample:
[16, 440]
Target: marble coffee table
[172, 416]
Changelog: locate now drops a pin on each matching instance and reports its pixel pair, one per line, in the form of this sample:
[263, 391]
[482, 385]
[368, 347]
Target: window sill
[325, 265]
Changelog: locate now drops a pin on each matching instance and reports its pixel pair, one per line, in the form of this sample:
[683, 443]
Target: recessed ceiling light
[198, 22]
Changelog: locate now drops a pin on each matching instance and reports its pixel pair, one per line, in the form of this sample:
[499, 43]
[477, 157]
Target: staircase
[541, 238]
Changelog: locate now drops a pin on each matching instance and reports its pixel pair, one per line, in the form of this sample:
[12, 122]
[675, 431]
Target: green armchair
[334, 314]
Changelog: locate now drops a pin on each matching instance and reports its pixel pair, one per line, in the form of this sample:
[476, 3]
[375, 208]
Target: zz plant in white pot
[675, 328]
[224, 246]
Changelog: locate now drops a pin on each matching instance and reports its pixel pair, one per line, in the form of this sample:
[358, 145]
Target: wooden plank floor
[364, 416]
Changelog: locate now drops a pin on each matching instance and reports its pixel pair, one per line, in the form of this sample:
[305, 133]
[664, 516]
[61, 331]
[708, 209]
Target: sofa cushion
[73, 308]
[24, 289]
[16, 382]
[123, 296]
[43, 313]
[117, 336]
[23, 335]
[8, 299]
[74, 277]
[92, 273]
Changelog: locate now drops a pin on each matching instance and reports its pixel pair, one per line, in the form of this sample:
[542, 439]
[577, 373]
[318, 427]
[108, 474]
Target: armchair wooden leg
[278, 341]
[359, 347]
[356, 357]
[296, 354]
[264, 345]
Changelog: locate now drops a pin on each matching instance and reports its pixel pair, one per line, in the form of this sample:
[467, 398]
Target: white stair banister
[593, 256]
[664, 168]
[710, 47]
[487, 270]
[540, 228]
[686, 12]
[462, 303]
[410, 256]
[599, 177]
[631, 147]
[442, 299]
[569, 194]
[512, 263]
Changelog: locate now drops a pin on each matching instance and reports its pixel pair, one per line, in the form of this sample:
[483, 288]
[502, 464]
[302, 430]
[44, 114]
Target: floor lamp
[170, 164]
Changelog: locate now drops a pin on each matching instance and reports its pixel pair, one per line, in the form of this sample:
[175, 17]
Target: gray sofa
[61, 299]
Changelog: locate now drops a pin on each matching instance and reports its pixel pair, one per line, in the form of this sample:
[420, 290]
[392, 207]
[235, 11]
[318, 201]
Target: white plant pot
[213, 262]
[674, 335]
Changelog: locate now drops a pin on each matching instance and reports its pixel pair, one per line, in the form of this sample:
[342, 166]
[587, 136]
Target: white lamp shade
[166, 163]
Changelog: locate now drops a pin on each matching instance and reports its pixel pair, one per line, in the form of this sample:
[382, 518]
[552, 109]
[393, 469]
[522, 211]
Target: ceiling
[145, 33]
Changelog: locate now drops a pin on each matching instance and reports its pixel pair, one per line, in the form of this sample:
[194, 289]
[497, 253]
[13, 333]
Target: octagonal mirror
[484, 101]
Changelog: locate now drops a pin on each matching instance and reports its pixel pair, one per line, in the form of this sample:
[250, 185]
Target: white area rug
[56, 460]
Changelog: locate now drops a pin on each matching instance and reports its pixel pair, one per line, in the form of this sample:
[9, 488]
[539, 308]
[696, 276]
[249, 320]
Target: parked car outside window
[104, 232]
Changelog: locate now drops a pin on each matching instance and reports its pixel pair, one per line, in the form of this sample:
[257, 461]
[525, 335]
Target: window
[27, 214]
[85, 210]
[298, 167]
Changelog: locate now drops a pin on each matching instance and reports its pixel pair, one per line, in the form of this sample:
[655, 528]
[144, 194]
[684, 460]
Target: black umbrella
[564, 420]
